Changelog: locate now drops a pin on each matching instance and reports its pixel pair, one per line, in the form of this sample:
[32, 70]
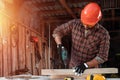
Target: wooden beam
[58, 11]
[70, 71]
[52, 11]
[111, 19]
[57, 19]
[68, 9]
[79, 1]
[44, 4]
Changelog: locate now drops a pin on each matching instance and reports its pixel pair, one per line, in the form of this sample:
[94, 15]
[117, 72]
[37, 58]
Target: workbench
[33, 77]
[42, 78]
[60, 74]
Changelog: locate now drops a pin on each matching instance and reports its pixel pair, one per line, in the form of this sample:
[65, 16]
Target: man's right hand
[58, 40]
[59, 48]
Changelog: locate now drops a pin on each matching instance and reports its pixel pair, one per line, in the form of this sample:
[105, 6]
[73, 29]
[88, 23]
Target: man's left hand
[80, 69]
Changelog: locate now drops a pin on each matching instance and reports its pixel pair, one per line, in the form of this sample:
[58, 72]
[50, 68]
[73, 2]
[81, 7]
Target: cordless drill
[63, 54]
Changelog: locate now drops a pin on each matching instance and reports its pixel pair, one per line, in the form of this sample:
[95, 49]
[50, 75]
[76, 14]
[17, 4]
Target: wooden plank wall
[17, 52]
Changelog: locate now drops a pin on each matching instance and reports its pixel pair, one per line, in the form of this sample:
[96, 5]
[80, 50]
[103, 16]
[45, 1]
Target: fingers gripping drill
[63, 54]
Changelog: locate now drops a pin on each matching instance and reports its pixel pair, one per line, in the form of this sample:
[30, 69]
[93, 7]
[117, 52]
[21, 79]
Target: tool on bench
[68, 78]
[95, 77]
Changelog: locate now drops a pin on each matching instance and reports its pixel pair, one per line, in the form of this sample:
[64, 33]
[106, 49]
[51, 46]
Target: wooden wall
[17, 52]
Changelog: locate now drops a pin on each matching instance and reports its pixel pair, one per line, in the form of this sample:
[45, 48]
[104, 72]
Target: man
[90, 40]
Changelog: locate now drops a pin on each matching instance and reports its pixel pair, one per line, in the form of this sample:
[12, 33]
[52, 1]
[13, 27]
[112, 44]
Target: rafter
[68, 9]
[52, 11]
[44, 4]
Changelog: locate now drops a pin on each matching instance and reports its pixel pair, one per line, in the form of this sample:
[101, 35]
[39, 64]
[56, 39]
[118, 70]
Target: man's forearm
[92, 63]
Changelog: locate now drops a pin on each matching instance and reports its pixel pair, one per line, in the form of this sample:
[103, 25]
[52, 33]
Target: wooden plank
[28, 51]
[54, 77]
[5, 56]
[1, 60]
[21, 47]
[33, 56]
[70, 71]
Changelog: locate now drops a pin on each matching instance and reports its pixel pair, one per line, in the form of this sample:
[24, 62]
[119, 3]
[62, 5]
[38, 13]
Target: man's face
[88, 26]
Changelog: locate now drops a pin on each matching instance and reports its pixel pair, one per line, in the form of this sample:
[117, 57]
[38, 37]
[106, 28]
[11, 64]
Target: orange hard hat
[91, 14]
